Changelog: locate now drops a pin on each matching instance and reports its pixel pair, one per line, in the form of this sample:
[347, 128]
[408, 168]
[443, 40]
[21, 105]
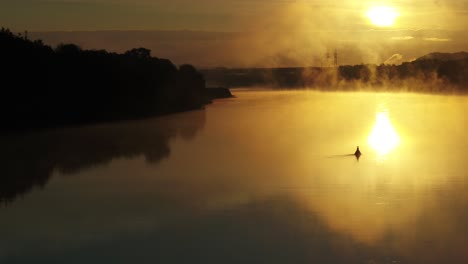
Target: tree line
[45, 86]
[422, 75]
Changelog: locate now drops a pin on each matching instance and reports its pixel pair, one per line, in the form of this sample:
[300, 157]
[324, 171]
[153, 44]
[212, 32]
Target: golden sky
[272, 32]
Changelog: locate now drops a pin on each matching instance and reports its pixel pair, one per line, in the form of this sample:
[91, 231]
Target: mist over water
[265, 177]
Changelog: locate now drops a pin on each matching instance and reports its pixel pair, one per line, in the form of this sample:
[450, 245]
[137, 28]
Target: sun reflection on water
[383, 137]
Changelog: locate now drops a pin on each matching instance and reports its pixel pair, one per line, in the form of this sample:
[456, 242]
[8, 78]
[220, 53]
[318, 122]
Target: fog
[299, 33]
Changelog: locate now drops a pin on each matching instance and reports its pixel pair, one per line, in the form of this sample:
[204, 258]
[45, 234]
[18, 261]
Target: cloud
[437, 39]
[402, 38]
[395, 59]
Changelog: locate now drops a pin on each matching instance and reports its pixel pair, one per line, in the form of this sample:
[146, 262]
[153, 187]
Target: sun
[382, 16]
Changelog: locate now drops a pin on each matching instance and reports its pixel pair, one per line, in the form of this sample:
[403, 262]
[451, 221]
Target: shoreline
[211, 94]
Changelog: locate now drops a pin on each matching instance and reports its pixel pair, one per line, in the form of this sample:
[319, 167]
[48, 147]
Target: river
[266, 177]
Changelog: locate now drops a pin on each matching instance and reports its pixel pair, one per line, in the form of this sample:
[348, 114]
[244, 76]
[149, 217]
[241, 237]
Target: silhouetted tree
[68, 49]
[140, 53]
[42, 86]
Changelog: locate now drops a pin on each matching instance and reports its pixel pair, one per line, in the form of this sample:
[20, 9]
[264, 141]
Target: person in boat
[358, 152]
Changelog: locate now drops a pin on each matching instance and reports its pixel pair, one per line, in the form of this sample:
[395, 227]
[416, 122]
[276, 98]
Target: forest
[436, 72]
[44, 86]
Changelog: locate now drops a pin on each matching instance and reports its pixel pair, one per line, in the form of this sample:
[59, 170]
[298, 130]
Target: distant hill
[445, 56]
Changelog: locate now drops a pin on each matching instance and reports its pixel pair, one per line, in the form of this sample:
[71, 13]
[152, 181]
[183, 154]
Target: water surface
[262, 178]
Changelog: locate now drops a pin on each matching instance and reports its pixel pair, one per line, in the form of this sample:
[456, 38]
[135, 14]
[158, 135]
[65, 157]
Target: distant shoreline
[432, 73]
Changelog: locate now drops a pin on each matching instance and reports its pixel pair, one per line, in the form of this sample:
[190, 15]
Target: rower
[358, 152]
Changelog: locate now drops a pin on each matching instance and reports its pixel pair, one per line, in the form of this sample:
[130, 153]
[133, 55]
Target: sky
[248, 32]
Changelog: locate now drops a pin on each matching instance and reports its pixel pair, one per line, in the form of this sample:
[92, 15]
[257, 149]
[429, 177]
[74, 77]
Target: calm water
[262, 178]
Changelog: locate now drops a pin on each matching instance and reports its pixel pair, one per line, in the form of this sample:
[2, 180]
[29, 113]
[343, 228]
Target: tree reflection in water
[28, 159]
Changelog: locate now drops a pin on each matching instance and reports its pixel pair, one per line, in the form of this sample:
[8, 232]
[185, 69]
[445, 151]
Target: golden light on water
[382, 16]
[383, 137]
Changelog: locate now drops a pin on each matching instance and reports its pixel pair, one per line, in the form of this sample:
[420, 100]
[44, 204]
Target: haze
[210, 33]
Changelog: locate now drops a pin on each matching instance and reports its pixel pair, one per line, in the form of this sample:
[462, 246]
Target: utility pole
[335, 56]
